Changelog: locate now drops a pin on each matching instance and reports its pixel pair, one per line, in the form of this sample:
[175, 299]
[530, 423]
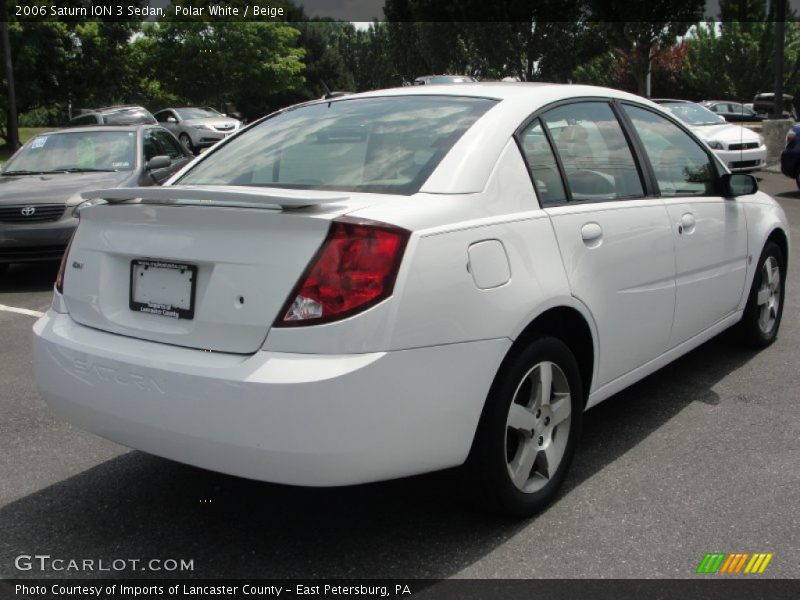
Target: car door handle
[592, 234]
[687, 223]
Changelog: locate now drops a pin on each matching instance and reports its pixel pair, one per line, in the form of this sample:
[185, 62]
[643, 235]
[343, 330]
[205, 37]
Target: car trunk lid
[134, 264]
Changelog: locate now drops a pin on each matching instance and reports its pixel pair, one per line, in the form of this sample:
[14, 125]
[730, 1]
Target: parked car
[733, 112]
[741, 149]
[790, 157]
[40, 185]
[197, 127]
[403, 281]
[764, 104]
[129, 114]
[443, 79]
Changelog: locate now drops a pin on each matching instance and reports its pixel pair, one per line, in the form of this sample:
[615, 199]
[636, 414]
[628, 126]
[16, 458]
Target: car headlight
[76, 212]
[715, 145]
[760, 140]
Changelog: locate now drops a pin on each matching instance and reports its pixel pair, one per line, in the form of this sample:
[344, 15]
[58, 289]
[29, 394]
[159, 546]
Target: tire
[501, 468]
[762, 315]
[797, 180]
[186, 142]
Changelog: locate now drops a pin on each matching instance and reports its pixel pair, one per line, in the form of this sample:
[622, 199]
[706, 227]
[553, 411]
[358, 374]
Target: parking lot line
[22, 311]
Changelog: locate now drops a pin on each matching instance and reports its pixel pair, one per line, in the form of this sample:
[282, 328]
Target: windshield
[196, 113]
[693, 114]
[388, 145]
[76, 151]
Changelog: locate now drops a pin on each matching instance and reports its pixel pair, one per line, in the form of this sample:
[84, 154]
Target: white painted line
[22, 311]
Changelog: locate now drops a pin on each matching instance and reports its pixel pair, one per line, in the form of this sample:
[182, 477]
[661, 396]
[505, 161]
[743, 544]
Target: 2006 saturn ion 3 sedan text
[406, 280]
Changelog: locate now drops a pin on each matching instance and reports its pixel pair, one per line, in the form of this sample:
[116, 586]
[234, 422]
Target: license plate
[163, 288]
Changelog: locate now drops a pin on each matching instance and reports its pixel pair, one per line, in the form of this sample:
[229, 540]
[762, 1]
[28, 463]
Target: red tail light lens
[63, 266]
[355, 268]
[790, 136]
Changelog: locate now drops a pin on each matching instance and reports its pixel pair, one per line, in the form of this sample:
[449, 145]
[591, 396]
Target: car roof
[93, 128]
[664, 100]
[498, 90]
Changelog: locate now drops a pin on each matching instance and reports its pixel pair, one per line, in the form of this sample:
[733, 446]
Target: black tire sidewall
[750, 328]
[186, 142]
[488, 459]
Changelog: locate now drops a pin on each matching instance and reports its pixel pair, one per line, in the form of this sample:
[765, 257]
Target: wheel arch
[566, 319]
[779, 237]
[572, 326]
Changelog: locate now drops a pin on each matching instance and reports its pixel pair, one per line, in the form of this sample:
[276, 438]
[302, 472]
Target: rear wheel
[186, 142]
[797, 179]
[762, 315]
[529, 429]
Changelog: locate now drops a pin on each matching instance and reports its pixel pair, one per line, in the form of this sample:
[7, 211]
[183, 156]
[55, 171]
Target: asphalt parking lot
[699, 457]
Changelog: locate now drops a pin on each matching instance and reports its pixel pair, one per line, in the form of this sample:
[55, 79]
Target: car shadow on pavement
[140, 506]
[28, 277]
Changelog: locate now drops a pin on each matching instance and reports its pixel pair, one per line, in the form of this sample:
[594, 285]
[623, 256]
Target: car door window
[151, 146]
[542, 164]
[681, 166]
[597, 160]
[169, 144]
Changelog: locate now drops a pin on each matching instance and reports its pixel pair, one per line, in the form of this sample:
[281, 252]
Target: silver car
[41, 185]
[197, 127]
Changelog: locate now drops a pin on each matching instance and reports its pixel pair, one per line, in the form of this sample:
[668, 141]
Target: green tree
[246, 63]
[639, 33]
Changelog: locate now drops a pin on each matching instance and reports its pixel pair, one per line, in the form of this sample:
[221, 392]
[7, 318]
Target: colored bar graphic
[740, 564]
[711, 562]
[732, 563]
[764, 564]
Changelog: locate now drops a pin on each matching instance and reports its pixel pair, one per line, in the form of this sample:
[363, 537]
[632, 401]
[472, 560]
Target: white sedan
[739, 148]
[407, 280]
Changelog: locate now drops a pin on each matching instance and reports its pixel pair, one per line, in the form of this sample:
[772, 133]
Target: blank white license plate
[163, 288]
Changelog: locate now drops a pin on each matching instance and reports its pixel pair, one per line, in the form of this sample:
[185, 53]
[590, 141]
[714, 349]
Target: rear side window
[150, 146]
[681, 166]
[386, 145]
[542, 164]
[597, 159]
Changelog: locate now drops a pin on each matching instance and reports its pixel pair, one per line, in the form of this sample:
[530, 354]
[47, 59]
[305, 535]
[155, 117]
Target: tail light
[63, 266]
[354, 269]
[790, 136]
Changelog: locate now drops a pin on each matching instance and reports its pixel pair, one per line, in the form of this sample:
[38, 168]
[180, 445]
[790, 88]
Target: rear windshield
[387, 145]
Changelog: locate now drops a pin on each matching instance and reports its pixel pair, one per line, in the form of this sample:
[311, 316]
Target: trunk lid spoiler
[209, 195]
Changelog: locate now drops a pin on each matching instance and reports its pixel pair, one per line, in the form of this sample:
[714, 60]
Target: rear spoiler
[209, 195]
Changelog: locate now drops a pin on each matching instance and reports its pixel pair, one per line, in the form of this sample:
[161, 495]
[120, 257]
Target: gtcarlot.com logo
[45, 562]
[734, 563]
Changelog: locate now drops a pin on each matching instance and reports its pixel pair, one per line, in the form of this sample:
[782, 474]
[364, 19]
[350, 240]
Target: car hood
[56, 187]
[217, 122]
[725, 132]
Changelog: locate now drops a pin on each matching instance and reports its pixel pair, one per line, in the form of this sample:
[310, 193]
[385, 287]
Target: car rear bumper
[315, 420]
[744, 160]
[35, 242]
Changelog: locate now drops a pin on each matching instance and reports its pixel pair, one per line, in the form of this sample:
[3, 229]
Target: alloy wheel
[537, 427]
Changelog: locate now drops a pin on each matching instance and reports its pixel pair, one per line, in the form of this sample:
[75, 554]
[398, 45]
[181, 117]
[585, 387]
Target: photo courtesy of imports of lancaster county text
[399, 299]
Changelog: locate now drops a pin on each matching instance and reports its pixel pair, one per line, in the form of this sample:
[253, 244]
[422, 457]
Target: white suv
[406, 280]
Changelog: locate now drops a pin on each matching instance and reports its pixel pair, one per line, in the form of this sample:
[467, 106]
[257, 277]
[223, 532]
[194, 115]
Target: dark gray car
[41, 185]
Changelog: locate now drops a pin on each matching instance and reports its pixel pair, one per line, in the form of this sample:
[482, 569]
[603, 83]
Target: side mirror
[738, 184]
[158, 162]
[172, 120]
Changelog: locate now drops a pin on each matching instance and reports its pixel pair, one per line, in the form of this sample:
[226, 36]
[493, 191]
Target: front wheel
[762, 315]
[186, 142]
[529, 429]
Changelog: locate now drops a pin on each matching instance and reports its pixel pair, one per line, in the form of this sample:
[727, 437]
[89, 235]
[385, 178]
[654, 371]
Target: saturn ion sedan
[407, 280]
